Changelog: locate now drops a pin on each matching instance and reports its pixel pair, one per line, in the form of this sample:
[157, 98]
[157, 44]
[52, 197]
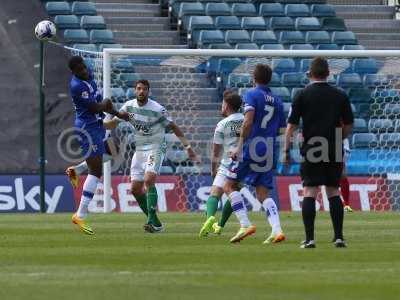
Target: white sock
[89, 187]
[272, 213]
[239, 208]
[82, 167]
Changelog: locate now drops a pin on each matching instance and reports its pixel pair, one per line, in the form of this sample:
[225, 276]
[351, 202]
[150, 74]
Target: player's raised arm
[186, 144]
[119, 116]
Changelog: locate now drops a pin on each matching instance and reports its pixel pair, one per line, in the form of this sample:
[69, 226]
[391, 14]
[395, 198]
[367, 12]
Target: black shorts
[316, 174]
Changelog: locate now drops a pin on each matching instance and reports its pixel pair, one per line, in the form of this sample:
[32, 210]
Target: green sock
[212, 206]
[226, 213]
[152, 206]
[142, 201]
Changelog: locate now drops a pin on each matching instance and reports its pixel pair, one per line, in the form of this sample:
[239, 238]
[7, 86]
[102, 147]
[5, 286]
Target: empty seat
[291, 37]
[76, 36]
[294, 79]
[365, 65]
[333, 24]
[359, 125]
[211, 37]
[318, 37]
[281, 23]
[227, 65]
[58, 8]
[349, 80]
[344, 38]
[301, 47]
[85, 47]
[389, 140]
[323, 10]
[353, 47]
[237, 36]
[218, 9]
[297, 10]
[238, 80]
[272, 47]
[380, 125]
[308, 23]
[67, 22]
[219, 46]
[271, 10]
[263, 37]
[247, 46]
[284, 65]
[392, 111]
[227, 22]
[375, 80]
[200, 22]
[327, 47]
[244, 10]
[364, 140]
[305, 64]
[109, 46]
[275, 79]
[93, 22]
[191, 8]
[83, 8]
[359, 95]
[314, 1]
[281, 92]
[253, 23]
[101, 36]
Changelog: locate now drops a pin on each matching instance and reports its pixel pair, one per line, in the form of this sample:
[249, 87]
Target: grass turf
[44, 257]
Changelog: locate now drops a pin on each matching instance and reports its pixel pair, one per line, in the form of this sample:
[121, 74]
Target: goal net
[190, 83]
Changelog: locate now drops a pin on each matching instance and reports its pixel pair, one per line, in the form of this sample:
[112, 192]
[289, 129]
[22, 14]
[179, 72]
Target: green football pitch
[45, 257]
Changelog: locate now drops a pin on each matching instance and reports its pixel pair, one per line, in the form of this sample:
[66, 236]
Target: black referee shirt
[323, 108]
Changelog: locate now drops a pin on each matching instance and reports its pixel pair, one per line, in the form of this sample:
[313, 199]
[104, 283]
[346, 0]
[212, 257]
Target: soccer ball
[45, 30]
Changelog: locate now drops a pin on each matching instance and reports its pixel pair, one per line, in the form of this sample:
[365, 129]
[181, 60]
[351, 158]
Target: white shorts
[219, 179]
[146, 161]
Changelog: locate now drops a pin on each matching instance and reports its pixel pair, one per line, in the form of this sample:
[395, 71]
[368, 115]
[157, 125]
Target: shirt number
[270, 112]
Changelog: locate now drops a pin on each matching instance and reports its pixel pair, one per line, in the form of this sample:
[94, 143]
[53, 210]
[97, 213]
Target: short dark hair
[74, 61]
[262, 74]
[319, 67]
[144, 82]
[233, 99]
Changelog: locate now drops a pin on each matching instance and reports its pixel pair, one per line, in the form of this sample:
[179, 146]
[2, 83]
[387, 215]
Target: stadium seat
[85, 47]
[349, 80]
[294, 79]
[301, 47]
[297, 10]
[191, 8]
[380, 125]
[318, 37]
[291, 37]
[227, 22]
[281, 92]
[282, 23]
[81, 8]
[359, 95]
[67, 22]
[101, 36]
[253, 23]
[344, 38]
[219, 46]
[365, 65]
[360, 126]
[388, 140]
[244, 10]
[307, 24]
[227, 65]
[364, 140]
[340, 65]
[218, 9]
[247, 46]
[275, 79]
[79, 36]
[110, 46]
[333, 24]
[392, 111]
[375, 80]
[314, 1]
[353, 47]
[211, 37]
[284, 65]
[58, 8]
[271, 10]
[129, 79]
[327, 47]
[305, 64]
[93, 22]
[237, 36]
[200, 22]
[322, 10]
[238, 80]
[263, 37]
[272, 47]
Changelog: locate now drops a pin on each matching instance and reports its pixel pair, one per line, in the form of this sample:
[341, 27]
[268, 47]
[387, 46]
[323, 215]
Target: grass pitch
[44, 257]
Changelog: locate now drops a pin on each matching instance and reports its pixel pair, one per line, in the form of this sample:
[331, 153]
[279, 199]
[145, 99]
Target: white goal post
[110, 54]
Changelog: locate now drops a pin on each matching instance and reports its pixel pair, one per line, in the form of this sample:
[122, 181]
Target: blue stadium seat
[305, 64]
[360, 126]
[67, 22]
[318, 37]
[101, 36]
[333, 24]
[218, 9]
[349, 80]
[282, 23]
[380, 125]
[344, 38]
[227, 65]
[323, 10]
[271, 10]
[227, 22]
[82, 8]
[281, 92]
[129, 79]
[386, 95]
[364, 140]
[239, 80]
[253, 23]
[237, 36]
[307, 24]
[365, 65]
[272, 47]
[76, 36]
[284, 65]
[211, 37]
[263, 37]
[247, 46]
[275, 79]
[301, 47]
[109, 46]
[85, 47]
[359, 95]
[244, 10]
[314, 1]
[219, 46]
[327, 47]
[291, 37]
[93, 22]
[200, 22]
[191, 8]
[375, 80]
[353, 47]
[342, 65]
[58, 8]
[297, 10]
[388, 140]
[295, 79]
[392, 110]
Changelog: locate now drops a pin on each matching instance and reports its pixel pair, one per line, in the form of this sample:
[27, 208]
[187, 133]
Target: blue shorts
[250, 173]
[91, 139]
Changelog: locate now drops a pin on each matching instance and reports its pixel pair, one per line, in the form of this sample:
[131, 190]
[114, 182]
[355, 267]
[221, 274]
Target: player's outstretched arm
[186, 144]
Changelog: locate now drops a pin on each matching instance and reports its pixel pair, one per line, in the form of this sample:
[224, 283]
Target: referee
[327, 119]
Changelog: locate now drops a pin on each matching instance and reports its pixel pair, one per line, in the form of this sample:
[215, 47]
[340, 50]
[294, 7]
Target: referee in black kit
[327, 120]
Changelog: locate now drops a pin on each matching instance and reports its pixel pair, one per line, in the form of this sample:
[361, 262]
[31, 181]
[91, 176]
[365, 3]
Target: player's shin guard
[337, 214]
[272, 214]
[308, 213]
[239, 208]
[152, 206]
[226, 213]
[345, 190]
[212, 206]
[89, 187]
